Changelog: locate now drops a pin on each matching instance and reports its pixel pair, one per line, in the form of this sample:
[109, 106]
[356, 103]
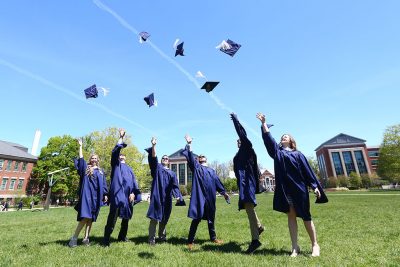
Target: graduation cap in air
[150, 100]
[209, 86]
[181, 203]
[179, 48]
[229, 47]
[91, 92]
[143, 36]
[269, 125]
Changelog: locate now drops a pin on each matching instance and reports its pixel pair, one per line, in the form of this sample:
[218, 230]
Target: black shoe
[162, 239]
[255, 244]
[106, 242]
[261, 229]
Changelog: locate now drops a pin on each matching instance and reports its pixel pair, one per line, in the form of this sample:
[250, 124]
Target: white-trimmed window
[1, 164]
[16, 166]
[20, 183]
[9, 163]
[4, 183]
[12, 183]
[24, 165]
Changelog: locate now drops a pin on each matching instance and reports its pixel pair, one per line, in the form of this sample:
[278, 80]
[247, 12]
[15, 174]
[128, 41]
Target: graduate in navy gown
[124, 191]
[92, 193]
[247, 174]
[205, 185]
[293, 176]
[163, 187]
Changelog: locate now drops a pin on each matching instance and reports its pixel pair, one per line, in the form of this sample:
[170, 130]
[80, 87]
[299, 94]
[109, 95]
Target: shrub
[354, 181]
[183, 190]
[332, 182]
[366, 181]
[189, 188]
[342, 181]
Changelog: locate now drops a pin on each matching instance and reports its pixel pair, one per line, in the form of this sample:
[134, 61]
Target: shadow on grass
[271, 251]
[172, 240]
[231, 247]
[95, 240]
[146, 255]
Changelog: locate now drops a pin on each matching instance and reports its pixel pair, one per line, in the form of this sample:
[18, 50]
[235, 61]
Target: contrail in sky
[190, 77]
[71, 94]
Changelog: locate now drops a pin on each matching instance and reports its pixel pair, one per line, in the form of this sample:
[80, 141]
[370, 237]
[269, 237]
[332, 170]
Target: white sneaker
[315, 251]
[85, 241]
[295, 252]
[73, 242]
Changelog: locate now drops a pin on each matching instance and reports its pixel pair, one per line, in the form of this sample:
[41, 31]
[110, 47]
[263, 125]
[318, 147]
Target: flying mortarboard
[209, 86]
[91, 92]
[269, 125]
[143, 36]
[150, 100]
[179, 48]
[229, 47]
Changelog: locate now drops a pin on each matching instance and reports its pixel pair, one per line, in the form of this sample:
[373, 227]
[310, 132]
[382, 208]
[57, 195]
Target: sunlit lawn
[354, 229]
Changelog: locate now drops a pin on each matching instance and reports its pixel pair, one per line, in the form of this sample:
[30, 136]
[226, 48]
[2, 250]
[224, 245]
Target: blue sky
[316, 68]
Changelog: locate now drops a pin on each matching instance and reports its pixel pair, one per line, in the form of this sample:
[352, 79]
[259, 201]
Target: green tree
[366, 181]
[314, 165]
[103, 142]
[389, 155]
[343, 181]
[57, 154]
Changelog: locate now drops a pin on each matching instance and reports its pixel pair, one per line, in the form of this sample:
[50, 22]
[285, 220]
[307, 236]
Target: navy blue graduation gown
[91, 191]
[246, 168]
[163, 187]
[123, 183]
[293, 176]
[205, 184]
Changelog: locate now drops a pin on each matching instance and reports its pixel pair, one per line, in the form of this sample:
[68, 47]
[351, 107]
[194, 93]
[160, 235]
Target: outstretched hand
[121, 133]
[80, 142]
[317, 193]
[233, 116]
[153, 141]
[188, 139]
[261, 117]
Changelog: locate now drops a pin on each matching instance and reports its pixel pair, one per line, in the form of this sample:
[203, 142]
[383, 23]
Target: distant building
[15, 170]
[268, 179]
[343, 154]
[178, 164]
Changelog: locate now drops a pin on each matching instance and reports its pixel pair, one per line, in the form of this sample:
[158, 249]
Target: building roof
[13, 150]
[266, 173]
[178, 155]
[342, 139]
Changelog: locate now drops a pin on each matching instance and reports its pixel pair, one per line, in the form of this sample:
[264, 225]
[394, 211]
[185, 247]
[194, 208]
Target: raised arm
[269, 142]
[187, 152]
[117, 149]
[80, 164]
[152, 157]
[240, 131]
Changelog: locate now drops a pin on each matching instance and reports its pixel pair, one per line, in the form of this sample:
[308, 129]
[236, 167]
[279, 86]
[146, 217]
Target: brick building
[15, 170]
[343, 154]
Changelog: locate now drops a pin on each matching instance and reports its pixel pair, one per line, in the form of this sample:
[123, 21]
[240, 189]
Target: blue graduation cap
[229, 47]
[269, 125]
[179, 49]
[209, 86]
[150, 100]
[143, 36]
[91, 92]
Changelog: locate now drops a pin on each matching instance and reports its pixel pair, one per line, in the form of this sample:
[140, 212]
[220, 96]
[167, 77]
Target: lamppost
[52, 181]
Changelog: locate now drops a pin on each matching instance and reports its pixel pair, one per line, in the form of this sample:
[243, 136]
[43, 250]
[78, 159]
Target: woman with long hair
[92, 193]
[293, 176]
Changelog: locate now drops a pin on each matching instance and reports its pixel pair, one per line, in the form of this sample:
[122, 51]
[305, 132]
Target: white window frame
[1, 164]
[16, 164]
[21, 179]
[5, 185]
[13, 179]
[26, 166]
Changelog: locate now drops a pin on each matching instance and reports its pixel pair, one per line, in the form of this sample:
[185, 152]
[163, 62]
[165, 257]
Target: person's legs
[313, 237]
[124, 230]
[109, 228]
[253, 221]
[193, 229]
[211, 230]
[162, 232]
[74, 239]
[87, 232]
[292, 224]
[152, 231]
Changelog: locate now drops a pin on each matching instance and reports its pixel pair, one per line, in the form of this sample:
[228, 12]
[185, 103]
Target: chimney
[35, 144]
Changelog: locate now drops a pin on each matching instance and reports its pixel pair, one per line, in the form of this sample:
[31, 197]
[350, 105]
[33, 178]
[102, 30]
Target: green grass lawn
[354, 229]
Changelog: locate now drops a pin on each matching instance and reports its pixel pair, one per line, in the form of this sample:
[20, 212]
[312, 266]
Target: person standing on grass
[163, 186]
[124, 192]
[293, 176]
[247, 174]
[20, 205]
[205, 184]
[92, 191]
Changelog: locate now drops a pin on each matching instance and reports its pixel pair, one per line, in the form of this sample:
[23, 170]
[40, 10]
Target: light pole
[52, 181]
